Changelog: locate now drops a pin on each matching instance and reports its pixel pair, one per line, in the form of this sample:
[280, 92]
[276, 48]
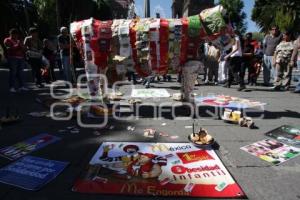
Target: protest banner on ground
[157, 169]
[31, 173]
[227, 102]
[150, 93]
[286, 134]
[272, 151]
[26, 147]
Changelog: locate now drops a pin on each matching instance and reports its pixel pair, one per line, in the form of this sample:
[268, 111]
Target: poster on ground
[157, 169]
[150, 93]
[227, 102]
[272, 151]
[31, 173]
[286, 134]
[26, 147]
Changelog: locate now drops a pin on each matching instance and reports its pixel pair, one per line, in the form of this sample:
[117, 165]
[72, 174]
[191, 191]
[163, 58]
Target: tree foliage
[235, 13]
[258, 36]
[285, 14]
[18, 14]
[47, 18]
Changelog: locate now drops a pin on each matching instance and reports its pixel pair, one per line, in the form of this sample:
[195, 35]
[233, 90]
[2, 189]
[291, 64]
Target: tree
[235, 13]
[284, 14]
[258, 36]
[18, 14]
[47, 19]
[49, 15]
[52, 14]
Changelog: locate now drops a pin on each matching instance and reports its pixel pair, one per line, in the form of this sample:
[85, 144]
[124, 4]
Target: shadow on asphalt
[286, 113]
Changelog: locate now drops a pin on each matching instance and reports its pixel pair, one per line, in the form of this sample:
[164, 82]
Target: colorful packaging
[150, 46]
[213, 20]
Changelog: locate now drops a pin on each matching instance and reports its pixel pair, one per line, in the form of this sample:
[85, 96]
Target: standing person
[212, 58]
[204, 48]
[296, 60]
[248, 53]
[282, 61]
[131, 14]
[223, 67]
[64, 47]
[15, 57]
[270, 43]
[49, 54]
[34, 48]
[256, 65]
[234, 58]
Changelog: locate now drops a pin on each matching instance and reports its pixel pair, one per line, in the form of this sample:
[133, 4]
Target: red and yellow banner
[159, 169]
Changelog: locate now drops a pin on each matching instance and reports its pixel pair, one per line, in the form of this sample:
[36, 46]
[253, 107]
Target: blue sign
[31, 173]
[32, 144]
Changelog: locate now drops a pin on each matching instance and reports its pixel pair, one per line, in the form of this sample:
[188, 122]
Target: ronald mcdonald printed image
[134, 163]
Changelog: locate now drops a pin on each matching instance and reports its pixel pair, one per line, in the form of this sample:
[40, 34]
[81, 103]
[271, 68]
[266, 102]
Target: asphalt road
[259, 179]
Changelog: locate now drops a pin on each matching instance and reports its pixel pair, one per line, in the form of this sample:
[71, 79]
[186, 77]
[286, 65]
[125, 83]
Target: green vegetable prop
[194, 26]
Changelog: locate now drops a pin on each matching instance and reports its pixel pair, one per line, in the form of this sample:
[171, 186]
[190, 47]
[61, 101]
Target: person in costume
[282, 61]
[136, 163]
[147, 166]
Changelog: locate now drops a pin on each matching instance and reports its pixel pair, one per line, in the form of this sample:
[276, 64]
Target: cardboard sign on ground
[26, 147]
[157, 169]
[272, 151]
[31, 173]
[227, 102]
[150, 93]
[286, 134]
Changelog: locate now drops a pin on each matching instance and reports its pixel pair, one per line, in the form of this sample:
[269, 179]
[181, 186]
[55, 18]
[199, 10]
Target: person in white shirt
[234, 58]
[212, 64]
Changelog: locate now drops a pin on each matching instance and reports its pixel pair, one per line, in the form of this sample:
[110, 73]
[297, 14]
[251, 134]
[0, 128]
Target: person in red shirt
[15, 57]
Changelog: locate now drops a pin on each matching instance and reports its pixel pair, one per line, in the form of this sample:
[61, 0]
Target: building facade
[184, 8]
[119, 8]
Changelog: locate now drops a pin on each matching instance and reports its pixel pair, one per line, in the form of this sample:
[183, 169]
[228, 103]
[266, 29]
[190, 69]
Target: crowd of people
[276, 56]
[41, 55]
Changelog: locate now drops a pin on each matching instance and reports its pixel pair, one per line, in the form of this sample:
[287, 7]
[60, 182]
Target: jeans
[213, 66]
[223, 71]
[298, 70]
[36, 65]
[269, 70]
[298, 76]
[246, 65]
[16, 66]
[284, 74]
[234, 70]
[65, 62]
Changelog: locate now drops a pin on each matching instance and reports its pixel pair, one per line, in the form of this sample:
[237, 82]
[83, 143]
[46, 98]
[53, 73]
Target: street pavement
[259, 179]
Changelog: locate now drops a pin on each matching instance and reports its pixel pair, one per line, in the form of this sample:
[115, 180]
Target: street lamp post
[147, 8]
